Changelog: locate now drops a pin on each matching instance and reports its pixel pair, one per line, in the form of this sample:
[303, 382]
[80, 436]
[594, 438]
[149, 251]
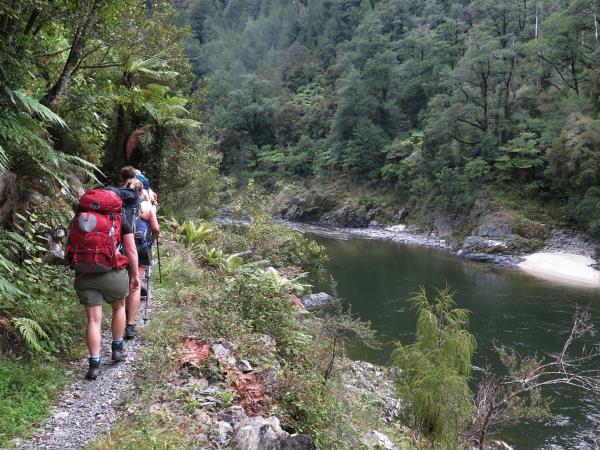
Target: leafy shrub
[262, 298]
[43, 313]
[436, 368]
[195, 187]
[193, 234]
[586, 210]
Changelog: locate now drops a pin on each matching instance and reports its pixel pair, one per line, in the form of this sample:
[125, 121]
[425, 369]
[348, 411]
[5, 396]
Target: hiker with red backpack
[146, 230]
[95, 235]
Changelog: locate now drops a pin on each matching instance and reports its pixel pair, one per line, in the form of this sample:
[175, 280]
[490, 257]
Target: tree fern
[31, 332]
[151, 68]
[33, 106]
[24, 147]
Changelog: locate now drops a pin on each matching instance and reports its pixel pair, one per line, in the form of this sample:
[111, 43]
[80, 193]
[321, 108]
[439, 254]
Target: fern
[3, 161]
[151, 68]
[194, 234]
[33, 106]
[25, 150]
[31, 331]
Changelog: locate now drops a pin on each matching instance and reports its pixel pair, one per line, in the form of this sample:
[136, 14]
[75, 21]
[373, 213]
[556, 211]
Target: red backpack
[95, 233]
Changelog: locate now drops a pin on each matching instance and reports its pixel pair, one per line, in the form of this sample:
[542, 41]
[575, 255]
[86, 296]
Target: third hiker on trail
[146, 230]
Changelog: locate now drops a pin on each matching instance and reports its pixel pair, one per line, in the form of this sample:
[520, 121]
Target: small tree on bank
[437, 367]
[436, 371]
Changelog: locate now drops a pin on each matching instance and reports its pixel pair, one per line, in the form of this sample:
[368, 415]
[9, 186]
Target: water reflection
[508, 308]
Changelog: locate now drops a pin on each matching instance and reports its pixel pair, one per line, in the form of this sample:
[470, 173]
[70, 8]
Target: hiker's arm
[131, 251]
[154, 226]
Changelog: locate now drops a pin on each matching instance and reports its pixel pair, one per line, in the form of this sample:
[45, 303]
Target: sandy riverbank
[563, 268]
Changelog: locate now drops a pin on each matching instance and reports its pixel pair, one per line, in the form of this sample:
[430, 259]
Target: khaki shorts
[95, 288]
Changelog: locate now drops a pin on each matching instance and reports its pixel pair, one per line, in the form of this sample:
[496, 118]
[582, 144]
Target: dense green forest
[439, 102]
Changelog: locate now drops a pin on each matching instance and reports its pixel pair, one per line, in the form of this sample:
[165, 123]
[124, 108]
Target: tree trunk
[157, 158]
[595, 85]
[484, 97]
[82, 33]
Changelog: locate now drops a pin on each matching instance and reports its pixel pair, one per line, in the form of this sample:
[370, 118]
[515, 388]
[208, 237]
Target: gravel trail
[88, 409]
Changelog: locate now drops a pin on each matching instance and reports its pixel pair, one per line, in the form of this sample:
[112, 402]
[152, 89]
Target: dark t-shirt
[125, 229]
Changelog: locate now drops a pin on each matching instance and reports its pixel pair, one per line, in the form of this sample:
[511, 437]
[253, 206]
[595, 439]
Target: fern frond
[185, 123]
[153, 68]
[33, 106]
[3, 161]
[31, 331]
[8, 289]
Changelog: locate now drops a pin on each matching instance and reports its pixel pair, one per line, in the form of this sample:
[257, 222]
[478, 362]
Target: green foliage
[26, 394]
[270, 242]
[195, 187]
[31, 332]
[193, 234]
[437, 367]
[39, 301]
[574, 161]
[156, 431]
[520, 156]
[25, 150]
[253, 301]
[262, 297]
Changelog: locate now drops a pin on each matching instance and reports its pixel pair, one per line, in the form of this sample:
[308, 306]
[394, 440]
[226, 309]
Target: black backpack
[131, 205]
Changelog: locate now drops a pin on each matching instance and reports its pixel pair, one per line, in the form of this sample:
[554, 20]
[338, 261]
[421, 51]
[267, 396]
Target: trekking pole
[147, 296]
[158, 254]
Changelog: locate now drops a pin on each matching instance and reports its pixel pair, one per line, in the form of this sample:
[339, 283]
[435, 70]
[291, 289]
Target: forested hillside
[482, 113]
[439, 102]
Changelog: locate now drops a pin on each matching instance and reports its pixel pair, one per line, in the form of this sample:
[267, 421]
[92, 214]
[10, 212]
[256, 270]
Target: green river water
[508, 308]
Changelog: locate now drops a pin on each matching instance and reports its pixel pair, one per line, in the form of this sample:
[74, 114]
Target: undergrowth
[41, 324]
[245, 304]
[26, 394]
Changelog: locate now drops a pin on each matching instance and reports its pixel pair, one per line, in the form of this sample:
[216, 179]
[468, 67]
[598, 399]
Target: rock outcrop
[320, 300]
[374, 381]
[303, 206]
[258, 433]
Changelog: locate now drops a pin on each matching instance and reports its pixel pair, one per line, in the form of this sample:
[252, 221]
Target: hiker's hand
[134, 284]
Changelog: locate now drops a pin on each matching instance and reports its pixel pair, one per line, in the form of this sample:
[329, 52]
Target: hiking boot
[130, 332]
[118, 352]
[93, 370]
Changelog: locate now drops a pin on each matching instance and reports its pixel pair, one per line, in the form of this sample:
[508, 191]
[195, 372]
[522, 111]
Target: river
[376, 278]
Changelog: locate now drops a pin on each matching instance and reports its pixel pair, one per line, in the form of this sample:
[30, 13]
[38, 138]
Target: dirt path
[88, 409]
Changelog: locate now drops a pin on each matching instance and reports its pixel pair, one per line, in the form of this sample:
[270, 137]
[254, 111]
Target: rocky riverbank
[492, 233]
[567, 257]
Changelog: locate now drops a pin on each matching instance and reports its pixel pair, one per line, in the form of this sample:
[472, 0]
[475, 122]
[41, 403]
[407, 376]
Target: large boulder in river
[317, 301]
[479, 244]
[505, 232]
[494, 226]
